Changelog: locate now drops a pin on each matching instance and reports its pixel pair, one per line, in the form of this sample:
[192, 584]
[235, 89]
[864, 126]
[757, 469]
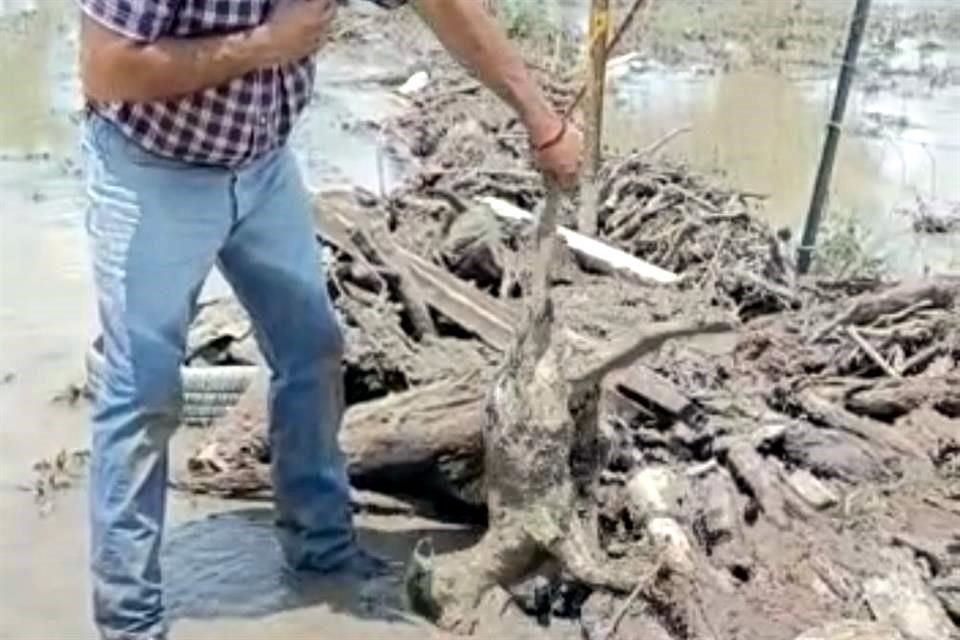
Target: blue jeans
[157, 226]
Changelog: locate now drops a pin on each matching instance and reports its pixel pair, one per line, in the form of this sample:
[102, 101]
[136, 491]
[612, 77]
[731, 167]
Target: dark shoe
[359, 564]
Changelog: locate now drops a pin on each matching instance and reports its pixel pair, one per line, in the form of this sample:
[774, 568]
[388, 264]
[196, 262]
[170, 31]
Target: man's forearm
[473, 37]
[114, 68]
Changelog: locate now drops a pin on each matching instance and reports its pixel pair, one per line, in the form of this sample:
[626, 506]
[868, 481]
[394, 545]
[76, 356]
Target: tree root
[540, 444]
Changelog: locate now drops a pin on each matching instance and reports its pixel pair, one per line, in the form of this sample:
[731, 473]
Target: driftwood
[870, 430]
[381, 250]
[902, 599]
[808, 487]
[852, 630]
[765, 483]
[872, 353]
[717, 522]
[831, 453]
[872, 306]
[892, 399]
[423, 441]
[427, 439]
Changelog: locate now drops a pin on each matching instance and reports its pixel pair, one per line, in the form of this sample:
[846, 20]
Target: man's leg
[155, 229]
[272, 261]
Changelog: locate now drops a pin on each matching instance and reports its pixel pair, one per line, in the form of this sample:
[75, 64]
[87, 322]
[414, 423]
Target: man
[190, 104]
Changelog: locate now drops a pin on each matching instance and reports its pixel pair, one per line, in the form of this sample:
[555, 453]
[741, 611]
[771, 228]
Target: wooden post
[598, 37]
[824, 173]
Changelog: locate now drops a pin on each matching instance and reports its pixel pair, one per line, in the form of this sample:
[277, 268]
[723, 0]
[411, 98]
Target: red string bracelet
[543, 146]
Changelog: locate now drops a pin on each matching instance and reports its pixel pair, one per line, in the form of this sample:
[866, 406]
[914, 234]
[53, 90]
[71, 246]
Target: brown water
[764, 131]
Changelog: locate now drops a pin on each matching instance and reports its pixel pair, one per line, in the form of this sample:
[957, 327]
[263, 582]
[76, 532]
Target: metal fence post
[824, 173]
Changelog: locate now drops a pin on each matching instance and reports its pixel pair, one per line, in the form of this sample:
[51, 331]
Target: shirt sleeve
[141, 20]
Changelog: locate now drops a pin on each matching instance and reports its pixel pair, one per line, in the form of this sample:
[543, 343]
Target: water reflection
[230, 565]
[764, 132]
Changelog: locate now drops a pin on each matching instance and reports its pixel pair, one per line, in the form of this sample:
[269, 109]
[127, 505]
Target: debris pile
[936, 216]
[806, 466]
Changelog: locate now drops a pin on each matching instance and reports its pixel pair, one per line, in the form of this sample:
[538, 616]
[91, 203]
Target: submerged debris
[57, 474]
[937, 216]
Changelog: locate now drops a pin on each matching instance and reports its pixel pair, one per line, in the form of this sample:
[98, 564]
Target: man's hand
[296, 29]
[557, 149]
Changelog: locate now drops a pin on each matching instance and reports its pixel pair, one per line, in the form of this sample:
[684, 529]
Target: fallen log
[428, 440]
[830, 453]
[381, 250]
[869, 307]
[750, 471]
[902, 599]
[852, 630]
[894, 398]
[870, 430]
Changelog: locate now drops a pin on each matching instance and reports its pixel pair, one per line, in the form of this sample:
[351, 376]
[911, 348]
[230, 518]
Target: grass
[845, 249]
[525, 19]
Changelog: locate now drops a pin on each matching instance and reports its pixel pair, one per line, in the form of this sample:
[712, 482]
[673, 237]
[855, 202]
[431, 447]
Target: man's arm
[472, 36]
[115, 66]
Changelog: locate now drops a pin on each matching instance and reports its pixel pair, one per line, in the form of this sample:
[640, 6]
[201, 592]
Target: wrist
[543, 126]
[262, 46]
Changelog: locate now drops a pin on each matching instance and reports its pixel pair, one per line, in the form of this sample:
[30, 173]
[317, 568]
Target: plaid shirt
[227, 125]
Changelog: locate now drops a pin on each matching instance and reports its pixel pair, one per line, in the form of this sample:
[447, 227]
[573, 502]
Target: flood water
[762, 130]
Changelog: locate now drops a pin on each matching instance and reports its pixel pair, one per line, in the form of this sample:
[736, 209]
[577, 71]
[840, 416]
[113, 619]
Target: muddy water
[764, 132]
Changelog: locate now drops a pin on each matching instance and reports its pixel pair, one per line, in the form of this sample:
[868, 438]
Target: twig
[625, 607]
[709, 206]
[894, 318]
[923, 357]
[658, 144]
[790, 298]
[871, 352]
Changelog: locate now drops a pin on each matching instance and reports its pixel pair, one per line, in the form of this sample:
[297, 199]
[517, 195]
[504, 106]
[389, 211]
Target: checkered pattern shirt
[228, 125]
